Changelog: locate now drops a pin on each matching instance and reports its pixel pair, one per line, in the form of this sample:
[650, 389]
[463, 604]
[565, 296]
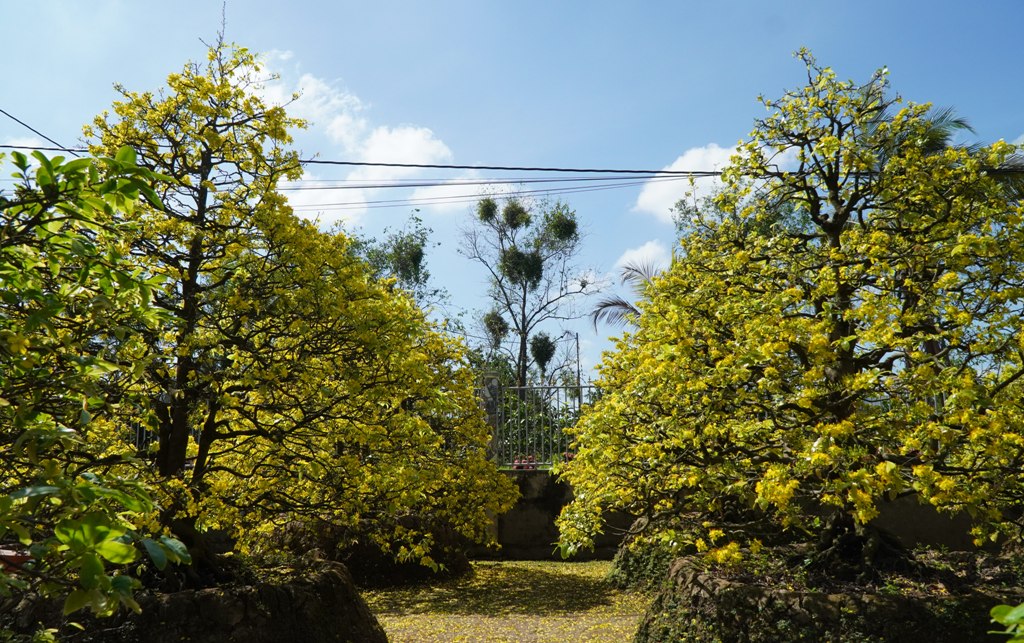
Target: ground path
[513, 601]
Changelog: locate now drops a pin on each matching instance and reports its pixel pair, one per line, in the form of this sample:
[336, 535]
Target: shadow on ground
[503, 589]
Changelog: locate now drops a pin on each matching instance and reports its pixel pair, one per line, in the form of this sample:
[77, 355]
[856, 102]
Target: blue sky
[527, 83]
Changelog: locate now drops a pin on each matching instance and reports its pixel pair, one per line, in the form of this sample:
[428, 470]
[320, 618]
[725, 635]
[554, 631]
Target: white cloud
[453, 195]
[659, 196]
[1019, 140]
[654, 253]
[403, 144]
[326, 106]
[326, 207]
[346, 129]
[26, 141]
[332, 109]
[343, 119]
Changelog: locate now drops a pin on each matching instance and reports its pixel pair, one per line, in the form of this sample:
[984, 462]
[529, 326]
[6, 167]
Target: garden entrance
[529, 422]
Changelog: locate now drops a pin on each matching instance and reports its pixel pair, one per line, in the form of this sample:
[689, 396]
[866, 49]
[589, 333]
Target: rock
[315, 605]
[323, 606]
[697, 607]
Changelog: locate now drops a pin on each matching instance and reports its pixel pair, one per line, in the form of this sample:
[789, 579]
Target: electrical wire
[637, 176]
[613, 179]
[464, 198]
[37, 132]
[437, 166]
[348, 184]
[513, 168]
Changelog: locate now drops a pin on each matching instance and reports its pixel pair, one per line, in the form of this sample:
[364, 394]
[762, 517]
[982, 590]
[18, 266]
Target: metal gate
[529, 422]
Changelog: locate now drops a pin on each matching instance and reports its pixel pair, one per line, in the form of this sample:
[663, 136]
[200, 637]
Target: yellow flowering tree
[844, 327]
[290, 384]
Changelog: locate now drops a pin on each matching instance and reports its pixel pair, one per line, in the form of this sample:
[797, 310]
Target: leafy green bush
[73, 513]
[642, 564]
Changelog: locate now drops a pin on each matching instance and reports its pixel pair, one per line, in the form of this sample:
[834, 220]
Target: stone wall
[528, 531]
[917, 524]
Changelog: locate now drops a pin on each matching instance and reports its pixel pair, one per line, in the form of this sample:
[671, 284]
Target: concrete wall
[915, 523]
[528, 532]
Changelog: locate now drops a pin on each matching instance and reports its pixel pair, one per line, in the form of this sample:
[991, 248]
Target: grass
[513, 601]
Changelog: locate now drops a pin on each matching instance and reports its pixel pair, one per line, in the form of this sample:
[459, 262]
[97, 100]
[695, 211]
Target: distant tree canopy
[402, 255]
[276, 377]
[533, 280]
[843, 328]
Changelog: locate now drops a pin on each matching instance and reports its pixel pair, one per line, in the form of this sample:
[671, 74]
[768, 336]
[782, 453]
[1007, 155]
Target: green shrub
[642, 564]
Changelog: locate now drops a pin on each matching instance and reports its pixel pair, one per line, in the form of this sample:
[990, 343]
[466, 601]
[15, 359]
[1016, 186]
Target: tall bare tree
[529, 254]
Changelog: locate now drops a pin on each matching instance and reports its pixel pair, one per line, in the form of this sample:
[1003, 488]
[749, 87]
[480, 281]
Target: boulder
[696, 606]
[312, 605]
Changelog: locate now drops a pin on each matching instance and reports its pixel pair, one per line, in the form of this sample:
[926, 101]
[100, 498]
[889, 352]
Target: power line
[40, 148]
[35, 131]
[467, 198]
[511, 168]
[436, 166]
[624, 178]
[348, 184]
[303, 185]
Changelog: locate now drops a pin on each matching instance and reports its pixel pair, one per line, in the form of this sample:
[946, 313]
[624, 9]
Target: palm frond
[638, 274]
[613, 310]
[944, 124]
[1011, 176]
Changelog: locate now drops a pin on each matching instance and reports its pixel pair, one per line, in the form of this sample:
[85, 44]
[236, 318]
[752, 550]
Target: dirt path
[513, 601]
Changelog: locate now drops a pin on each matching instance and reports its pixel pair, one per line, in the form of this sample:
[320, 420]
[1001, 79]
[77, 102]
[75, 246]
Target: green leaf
[177, 548]
[24, 537]
[139, 502]
[87, 532]
[91, 571]
[151, 196]
[125, 155]
[20, 160]
[1008, 615]
[75, 166]
[53, 226]
[116, 552]
[156, 553]
[98, 367]
[76, 600]
[44, 175]
[123, 584]
[33, 492]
